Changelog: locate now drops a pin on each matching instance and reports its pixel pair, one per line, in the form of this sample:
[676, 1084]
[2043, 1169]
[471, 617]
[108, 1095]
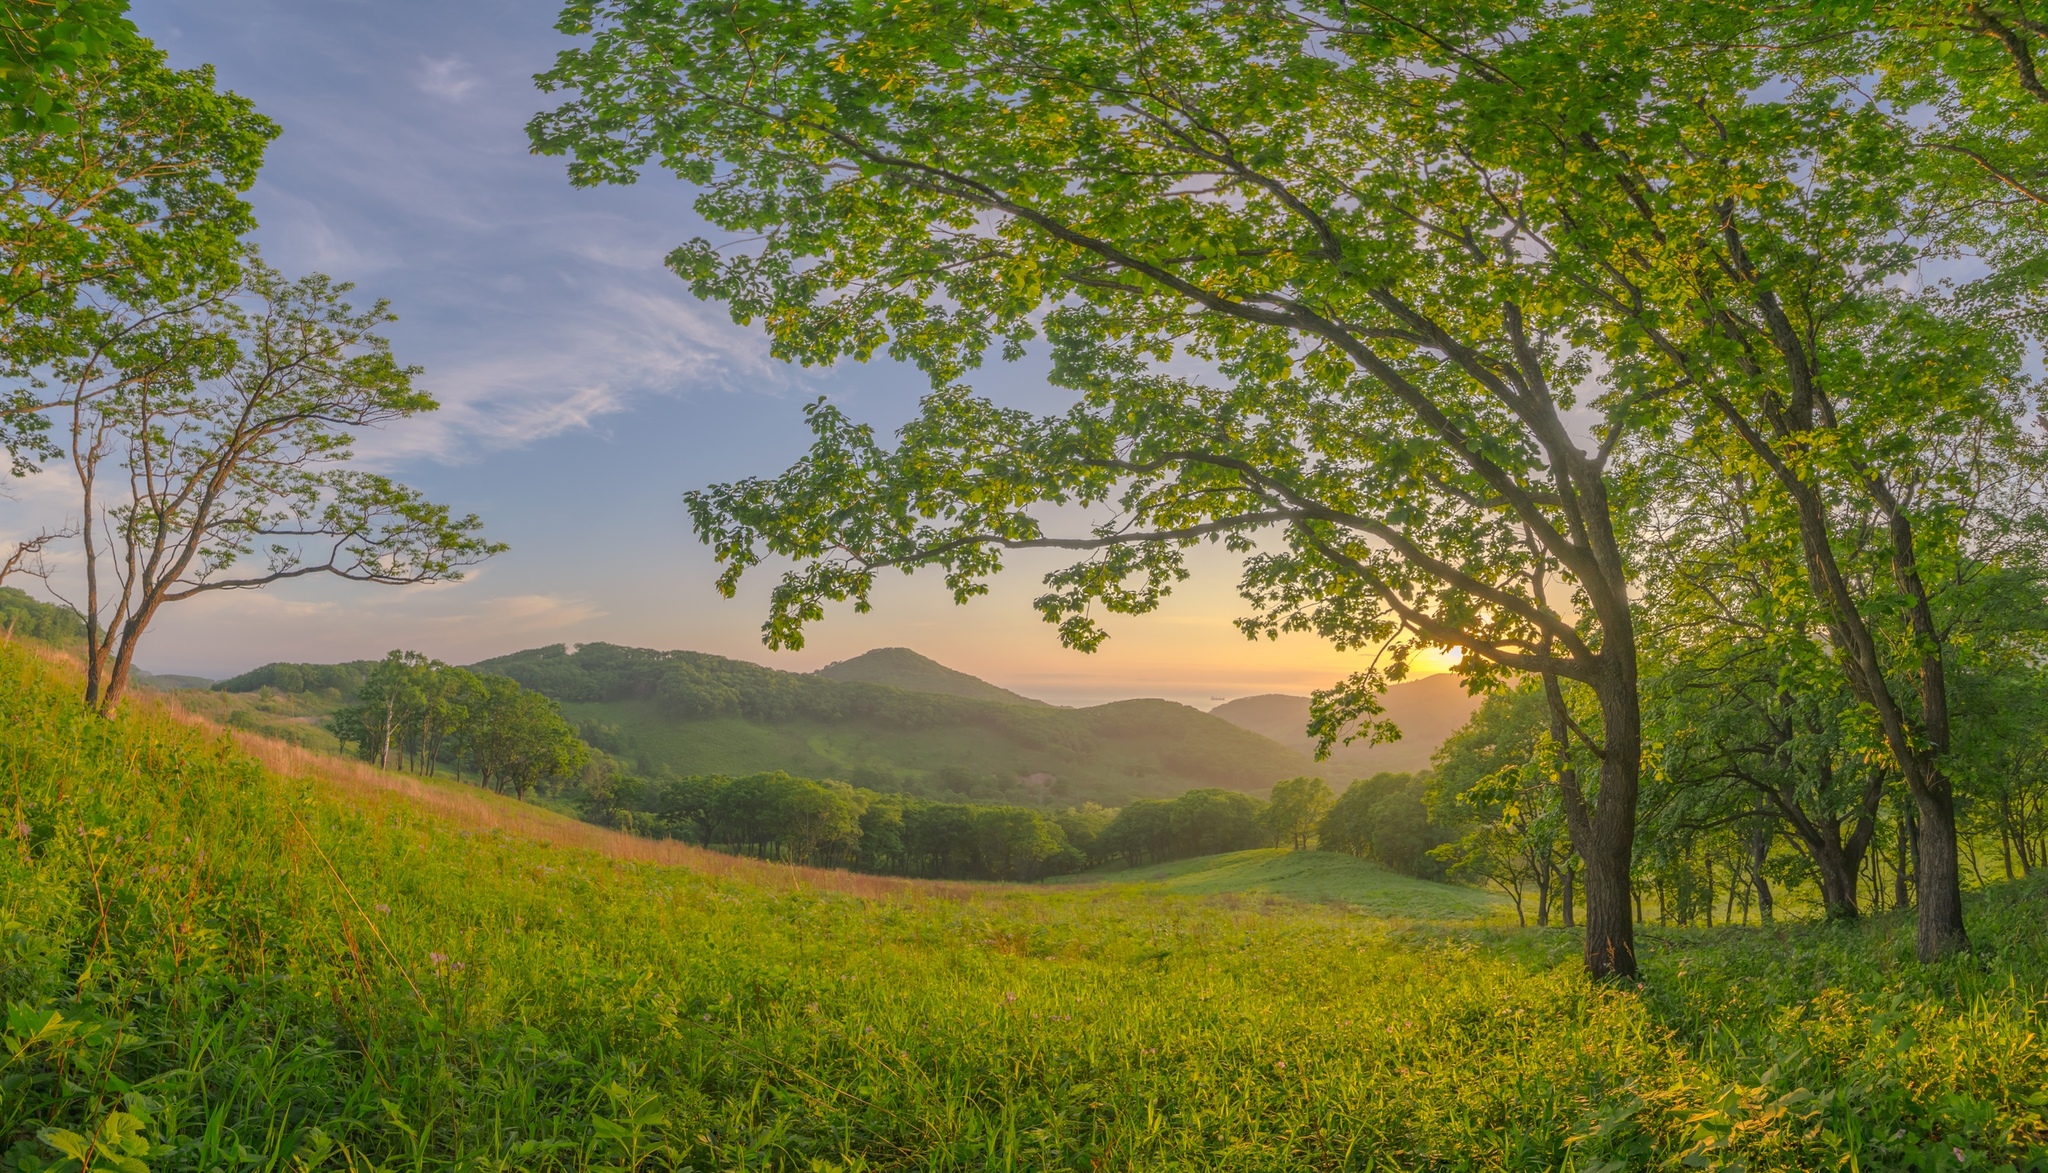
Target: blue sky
[584, 390]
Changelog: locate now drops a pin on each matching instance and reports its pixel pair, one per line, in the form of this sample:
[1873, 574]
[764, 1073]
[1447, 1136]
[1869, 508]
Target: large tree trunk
[1939, 880]
[1838, 864]
[1608, 843]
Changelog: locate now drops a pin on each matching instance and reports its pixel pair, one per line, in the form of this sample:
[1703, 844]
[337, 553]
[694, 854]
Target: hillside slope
[214, 963]
[1426, 710]
[696, 713]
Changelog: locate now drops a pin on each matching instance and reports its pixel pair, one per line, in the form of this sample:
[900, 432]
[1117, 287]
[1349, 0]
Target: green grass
[211, 966]
[297, 718]
[1323, 877]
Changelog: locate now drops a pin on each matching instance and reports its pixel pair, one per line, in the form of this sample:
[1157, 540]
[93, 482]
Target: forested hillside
[692, 713]
[903, 668]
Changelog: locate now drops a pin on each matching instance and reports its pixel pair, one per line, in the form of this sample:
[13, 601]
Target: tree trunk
[1604, 836]
[1759, 851]
[1837, 873]
[1707, 858]
[1570, 874]
[1940, 929]
[1902, 896]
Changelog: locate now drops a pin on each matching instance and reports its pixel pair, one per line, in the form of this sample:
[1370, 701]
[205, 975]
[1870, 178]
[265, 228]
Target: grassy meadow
[219, 952]
[1323, 877]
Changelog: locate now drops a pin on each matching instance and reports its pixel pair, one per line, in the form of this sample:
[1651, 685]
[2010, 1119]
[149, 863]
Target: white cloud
[446, 77]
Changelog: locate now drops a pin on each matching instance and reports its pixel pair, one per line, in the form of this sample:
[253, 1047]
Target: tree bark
[1902, 893]
[1570, 874]
[1604, 835]
[1940, 923]
[1759, 852]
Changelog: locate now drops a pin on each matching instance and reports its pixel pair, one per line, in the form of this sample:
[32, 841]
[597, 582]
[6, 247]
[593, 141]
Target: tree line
[416, 713]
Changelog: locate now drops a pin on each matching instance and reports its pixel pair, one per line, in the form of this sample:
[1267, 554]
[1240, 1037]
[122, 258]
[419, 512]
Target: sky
[583, 389]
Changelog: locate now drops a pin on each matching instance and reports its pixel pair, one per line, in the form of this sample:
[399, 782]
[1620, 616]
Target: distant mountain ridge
[1427, 711]
[894, 719]
[697, 713]
[905, 669]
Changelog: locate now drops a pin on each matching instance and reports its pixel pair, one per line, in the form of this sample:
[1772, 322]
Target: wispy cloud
[446, 77]
[616, 348]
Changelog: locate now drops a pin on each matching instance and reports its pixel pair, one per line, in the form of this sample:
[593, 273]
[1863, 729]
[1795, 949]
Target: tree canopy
[1405, 305]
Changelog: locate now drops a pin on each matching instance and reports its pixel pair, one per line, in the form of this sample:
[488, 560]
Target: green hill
[24, 617]
[209, 964]
[1324, 877]
[696, 713]
[1427, 711]
[905, 669]
[341, 680]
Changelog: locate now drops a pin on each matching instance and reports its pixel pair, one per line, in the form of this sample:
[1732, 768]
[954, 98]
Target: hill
[24, 617]
[342, 681]
[695, 713]
[288, 962]
[1426, 710]
[905, 669]
[1323, 877]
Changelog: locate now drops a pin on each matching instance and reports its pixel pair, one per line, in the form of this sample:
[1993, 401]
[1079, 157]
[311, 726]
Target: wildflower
[867, 1030]
[438, 958]
[1960, 1158]
[384, 908]
[459, 967]
[1009, 995]
[810, 1008]
[21, 829]
[1280, 1065]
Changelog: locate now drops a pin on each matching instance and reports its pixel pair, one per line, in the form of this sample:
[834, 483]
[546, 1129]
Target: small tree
[513, 738]
[1296, 808]
[235, 439]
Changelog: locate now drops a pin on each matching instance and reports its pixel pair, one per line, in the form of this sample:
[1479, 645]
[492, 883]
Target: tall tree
[234, 443]
[1386, 427]
[120, 194]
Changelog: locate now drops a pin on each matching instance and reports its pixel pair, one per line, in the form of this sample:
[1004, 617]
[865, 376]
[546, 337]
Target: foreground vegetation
[209, 964]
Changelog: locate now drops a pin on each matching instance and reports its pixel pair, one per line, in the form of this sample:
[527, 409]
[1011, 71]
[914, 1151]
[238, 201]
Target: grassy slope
[1317, 876]
[434, 979]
